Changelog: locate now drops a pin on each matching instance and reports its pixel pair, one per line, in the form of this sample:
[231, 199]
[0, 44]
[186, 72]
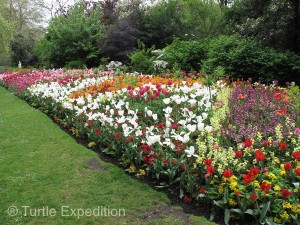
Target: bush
[185, 55]
[246, 58]
[75, 64]
[141, 60]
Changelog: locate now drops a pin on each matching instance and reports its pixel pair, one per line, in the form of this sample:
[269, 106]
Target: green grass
[42, 166]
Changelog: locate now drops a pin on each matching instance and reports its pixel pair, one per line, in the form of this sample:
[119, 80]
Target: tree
[273, 23]
[5, 35]
[73, 36]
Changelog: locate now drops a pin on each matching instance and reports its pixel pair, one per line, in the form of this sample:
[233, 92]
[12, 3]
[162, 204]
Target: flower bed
[236, 146]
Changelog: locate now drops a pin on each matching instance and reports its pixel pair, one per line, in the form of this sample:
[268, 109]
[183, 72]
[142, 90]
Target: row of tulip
[236, 146]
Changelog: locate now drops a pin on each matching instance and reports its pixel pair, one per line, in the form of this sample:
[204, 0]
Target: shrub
[246, 58]
[141, 60]
[185, 55]
[75, 64]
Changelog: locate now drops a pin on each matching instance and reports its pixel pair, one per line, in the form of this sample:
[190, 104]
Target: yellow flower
[256, 184]
[141, 173]
[132, 168]
[233, 185]
[277, 220]
[286, 205]
[91, 144]
[282, 172]
[296, 208]
[271, 175]
[232, 202]
[221, 189]
[277, 188]
[284, 215]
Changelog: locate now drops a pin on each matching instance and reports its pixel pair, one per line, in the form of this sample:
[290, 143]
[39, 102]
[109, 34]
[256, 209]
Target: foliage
[202, 19]
[274, 23]
[162, 23]
[75, 64]
[185, 55]
[22, 50]
[248, 59]
[141, 60]
[72, 37]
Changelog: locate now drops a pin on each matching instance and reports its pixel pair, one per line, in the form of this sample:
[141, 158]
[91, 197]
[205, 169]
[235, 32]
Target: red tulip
[287, 166]
[296, 155]
[248, 143]
[239, 154]
[253, 197]
[283, 145]
[286, 193]
[259, 155]
[227, 173]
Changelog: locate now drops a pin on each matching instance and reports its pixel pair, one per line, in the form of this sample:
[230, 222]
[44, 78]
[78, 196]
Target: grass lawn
[42, 166]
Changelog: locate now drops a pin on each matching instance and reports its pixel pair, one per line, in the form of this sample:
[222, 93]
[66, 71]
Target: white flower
[191, 151]
[209, 129]
[154, 116]
[149, 113]
[191, 128]
[204, 115]
[121, 120]
[166, 101]
[168, 110]
[153, 139]
[200, 126]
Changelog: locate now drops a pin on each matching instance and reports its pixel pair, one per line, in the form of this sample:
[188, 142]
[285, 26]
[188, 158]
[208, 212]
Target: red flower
[253, 196]
[287, 166]
[254, 171]
[278, 95]
[238, 193]
[280, 112]
[241, 96]
[239, 154]
[265, 187]
[286, 193]
[182, 166]
[283, 145]
[145, 159]
[266, 143]
[174, 126]
[90, 123]
[227, 173]
[97, 131]
[248, 178]
[208, 162]
[259, 155]
[160, 125]
[117, 136]
[129, 140]
[165, 161]
[187, 199]
[210, 169]
[296, 155]
[202, 190]
[297, 171]
[248, 143]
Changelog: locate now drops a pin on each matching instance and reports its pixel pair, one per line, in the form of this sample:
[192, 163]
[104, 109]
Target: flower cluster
[237, 146]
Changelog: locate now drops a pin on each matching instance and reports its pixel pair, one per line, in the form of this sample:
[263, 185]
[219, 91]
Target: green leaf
[212, 216]
[238, 211]
[226, 216]
[264, 211]
[218, 204]
[296, 184]
[249, 211]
